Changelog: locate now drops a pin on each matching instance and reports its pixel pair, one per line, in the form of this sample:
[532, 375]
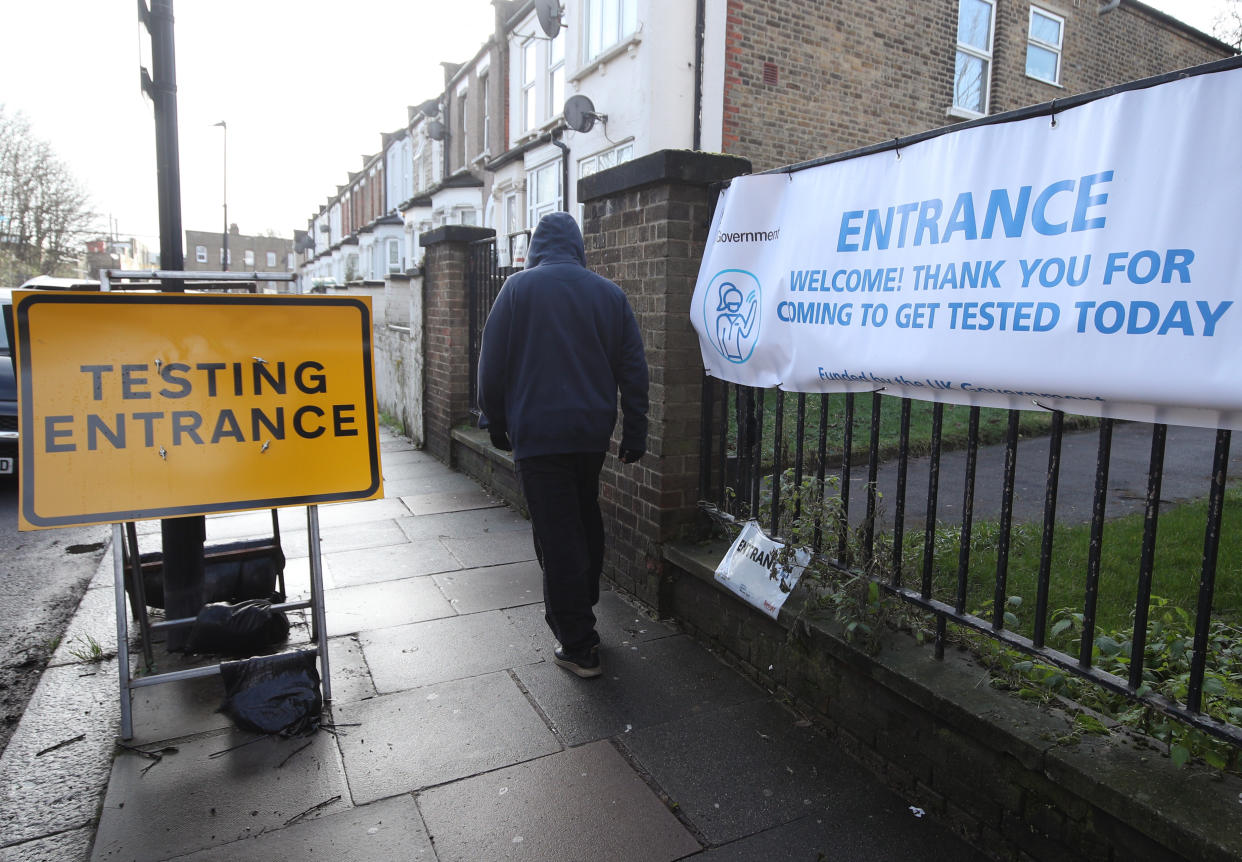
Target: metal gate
[484, 277]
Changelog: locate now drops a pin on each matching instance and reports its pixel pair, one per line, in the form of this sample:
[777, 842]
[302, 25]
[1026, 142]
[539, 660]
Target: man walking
[559, 344]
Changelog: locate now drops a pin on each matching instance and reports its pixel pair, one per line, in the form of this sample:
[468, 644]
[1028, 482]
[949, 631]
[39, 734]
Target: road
[44, 574]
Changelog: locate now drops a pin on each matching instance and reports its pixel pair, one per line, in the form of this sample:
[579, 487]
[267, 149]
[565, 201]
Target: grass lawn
[1178, 561]
[993, 424]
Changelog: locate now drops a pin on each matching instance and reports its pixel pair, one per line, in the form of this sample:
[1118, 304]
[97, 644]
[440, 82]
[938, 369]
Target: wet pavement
[451, 734]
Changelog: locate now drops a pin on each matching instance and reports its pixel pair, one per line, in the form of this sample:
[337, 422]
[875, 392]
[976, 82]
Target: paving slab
[644, 684]
[351, 678]
[397, 470]
[416, 739]
[380, 832]
[297, 577]
[463, 525]
[748, 768]
[492, 549]
[581, 804]
[345, 537]
[492, 587]
[370, 565]
[64, 846]
[431, 503]
[180, 708]
[618, 622]
[55, 767]
[442, 482]
[851, 834]
[381, 605]
[423, 654]
[192, 800]
[393, 444]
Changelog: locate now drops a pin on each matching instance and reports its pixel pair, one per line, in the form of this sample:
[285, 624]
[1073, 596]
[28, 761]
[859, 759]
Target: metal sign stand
[128, 682]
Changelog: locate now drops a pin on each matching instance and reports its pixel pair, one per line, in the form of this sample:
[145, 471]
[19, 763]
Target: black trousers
[562, 493]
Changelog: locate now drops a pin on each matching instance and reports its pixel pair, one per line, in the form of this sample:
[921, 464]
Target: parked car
[8, 387]
[52, 282]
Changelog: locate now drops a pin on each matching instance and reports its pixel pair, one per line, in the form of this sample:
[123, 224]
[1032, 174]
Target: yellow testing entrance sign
[135, 406]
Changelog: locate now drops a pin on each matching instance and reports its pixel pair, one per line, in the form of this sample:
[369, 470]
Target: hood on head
[556, 239]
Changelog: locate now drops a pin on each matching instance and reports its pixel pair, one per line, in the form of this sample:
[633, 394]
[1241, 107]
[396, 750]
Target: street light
[224, 250]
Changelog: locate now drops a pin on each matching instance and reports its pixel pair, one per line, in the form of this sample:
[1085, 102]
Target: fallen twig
[313, 809]
[225, 751]
[154, 756]
[290, 757]
[78, 738]
[331, 728]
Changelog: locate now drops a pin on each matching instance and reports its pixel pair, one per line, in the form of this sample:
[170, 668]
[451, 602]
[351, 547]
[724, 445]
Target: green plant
[836, 589]
[1167, 657]
[89, 651]
[847, 588]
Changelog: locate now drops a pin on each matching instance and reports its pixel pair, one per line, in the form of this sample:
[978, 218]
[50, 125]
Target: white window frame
[200, 253]
[536, 207]
[248, 257]
[485, 81]
[394, 255]
[606, 24]
[271, 259]
[975, 53]
[554, 101]
[1055, 49]
[463, 109]
[609, 158]
[527, 101]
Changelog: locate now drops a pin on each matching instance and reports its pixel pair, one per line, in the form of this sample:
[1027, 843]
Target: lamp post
[224, 237]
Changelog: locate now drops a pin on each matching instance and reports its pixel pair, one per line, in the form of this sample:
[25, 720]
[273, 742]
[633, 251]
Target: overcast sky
[305, 87]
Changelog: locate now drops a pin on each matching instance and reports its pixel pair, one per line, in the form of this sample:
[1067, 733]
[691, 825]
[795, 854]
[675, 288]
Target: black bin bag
[245, 628]
[232, 572]
[274, 694]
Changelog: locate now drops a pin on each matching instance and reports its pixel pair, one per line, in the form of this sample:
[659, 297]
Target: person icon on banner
[732, 327]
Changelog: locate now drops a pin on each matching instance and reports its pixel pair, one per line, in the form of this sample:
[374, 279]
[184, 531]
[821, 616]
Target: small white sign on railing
[754, 570]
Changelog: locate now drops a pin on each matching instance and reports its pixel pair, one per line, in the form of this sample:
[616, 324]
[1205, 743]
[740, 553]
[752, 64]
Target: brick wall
[446, 334]
[645, 226]
[1015, 779]
[1099, 51]
[852, 74]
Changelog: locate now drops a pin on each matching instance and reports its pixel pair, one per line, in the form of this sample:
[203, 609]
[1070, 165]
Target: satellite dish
[580, 114]
[549, 13]
[436, 130]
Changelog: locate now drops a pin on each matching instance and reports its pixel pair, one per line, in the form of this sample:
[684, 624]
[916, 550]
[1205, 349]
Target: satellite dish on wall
[436, 130]
[580, 114]
[549, 13]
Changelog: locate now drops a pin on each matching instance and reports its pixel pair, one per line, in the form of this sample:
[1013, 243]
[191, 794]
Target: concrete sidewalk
[453, 735]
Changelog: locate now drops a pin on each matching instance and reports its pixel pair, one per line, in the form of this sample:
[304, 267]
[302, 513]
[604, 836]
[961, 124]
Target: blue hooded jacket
[559, 344]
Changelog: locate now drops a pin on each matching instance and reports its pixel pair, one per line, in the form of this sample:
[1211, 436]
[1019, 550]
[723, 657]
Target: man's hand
[629, 456]
[500, 438]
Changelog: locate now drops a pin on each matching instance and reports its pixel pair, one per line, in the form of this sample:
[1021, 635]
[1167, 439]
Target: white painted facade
[638, 70]
[399, 169]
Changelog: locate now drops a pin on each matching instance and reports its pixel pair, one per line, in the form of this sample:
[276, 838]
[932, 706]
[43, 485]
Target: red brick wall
[1098, 51]
[446, 343]
[648, 237]
[851, 74]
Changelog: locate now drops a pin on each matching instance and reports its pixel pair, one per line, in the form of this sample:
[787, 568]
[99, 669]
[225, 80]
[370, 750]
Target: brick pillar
[645, 226]
[446, 334]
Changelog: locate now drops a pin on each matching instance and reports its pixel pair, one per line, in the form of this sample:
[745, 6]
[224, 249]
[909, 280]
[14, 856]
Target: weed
[89, 651]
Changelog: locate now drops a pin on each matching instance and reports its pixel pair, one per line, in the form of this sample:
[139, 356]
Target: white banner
[1091, 264]
[752, 570]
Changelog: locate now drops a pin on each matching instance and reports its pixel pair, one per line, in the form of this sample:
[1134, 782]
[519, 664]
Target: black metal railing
[754, 467]
[484, 277]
